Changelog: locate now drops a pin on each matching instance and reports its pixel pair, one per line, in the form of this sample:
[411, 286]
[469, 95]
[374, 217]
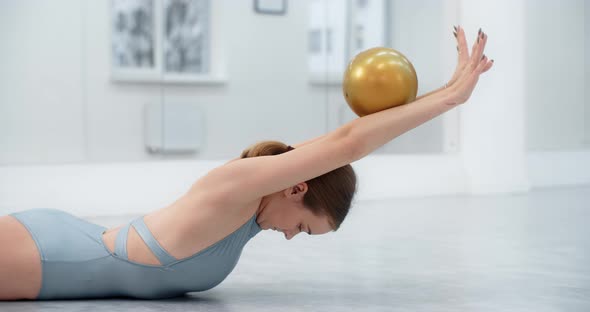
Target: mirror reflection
[136, 80]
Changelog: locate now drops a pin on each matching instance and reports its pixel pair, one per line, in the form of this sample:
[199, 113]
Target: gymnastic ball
[377, 79]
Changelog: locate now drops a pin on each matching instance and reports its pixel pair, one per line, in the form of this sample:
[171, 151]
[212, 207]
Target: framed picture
[275, 7]
[161, 40]
[133, 39]
[186, 37]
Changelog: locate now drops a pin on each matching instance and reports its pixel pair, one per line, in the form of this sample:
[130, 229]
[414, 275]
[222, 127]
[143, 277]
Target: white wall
[58, 104]
[41, 116]
[557, 112]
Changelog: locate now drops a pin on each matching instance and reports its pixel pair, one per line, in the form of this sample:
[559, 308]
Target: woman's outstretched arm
[372, 131]
[308, 141]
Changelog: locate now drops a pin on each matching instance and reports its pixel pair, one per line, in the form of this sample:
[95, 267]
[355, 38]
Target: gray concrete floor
[458, 253]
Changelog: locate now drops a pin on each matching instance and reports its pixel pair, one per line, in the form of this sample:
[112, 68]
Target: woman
[194, 243]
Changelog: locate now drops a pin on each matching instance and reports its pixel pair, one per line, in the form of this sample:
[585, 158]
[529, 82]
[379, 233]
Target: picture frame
[272, 7]
[162, 41]
[134, 39]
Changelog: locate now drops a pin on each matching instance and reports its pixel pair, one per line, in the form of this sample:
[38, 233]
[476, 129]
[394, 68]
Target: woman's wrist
[446, 86]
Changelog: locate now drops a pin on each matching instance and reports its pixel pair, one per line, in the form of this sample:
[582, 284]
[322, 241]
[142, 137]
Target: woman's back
[84, 260]
[187, 226]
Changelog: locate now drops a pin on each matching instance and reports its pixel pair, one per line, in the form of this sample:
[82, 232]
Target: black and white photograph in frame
[133, 29]
[186, 39]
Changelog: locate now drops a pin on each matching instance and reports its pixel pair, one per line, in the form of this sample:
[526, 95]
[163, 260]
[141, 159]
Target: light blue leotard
[76, 264]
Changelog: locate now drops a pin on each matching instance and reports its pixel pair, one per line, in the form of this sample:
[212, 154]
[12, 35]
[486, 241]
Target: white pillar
[492, 123]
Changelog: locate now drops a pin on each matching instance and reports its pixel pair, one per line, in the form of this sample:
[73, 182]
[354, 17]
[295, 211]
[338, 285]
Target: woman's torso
[76, 263]
[184, 228]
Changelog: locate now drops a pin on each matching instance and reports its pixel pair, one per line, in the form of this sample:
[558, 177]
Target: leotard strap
[149, 239]
[121, 242]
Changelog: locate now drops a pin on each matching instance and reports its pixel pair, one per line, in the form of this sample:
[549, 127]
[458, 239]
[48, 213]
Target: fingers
[473, 64]
[462, 44]
[487, 66]
[479, 48]
[483, 63]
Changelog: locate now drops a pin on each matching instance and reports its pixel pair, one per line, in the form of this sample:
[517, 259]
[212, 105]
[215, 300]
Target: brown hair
[330, 194]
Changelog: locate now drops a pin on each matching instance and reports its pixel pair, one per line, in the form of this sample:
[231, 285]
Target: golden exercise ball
[377, 79]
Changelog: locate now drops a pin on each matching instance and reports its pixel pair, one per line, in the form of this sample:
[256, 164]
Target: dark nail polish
[492, 61]
[455, 27]
[479, 32]
[455, 34]
[482, 57]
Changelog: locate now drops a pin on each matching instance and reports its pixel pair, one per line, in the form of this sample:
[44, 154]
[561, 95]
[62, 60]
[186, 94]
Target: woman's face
[284, 212]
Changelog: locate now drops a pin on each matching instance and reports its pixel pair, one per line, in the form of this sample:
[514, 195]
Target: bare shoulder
[195, 221]
[227, 196]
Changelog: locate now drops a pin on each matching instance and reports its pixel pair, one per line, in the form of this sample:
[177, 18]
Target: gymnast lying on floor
[194, 243]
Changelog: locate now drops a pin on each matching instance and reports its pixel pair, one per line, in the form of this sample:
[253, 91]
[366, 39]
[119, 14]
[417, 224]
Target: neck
[261, 206]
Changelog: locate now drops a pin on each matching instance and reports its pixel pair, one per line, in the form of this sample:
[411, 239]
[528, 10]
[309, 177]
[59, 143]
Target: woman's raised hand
[469, 67]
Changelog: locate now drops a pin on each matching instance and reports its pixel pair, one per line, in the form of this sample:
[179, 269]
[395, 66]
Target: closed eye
[301, 230]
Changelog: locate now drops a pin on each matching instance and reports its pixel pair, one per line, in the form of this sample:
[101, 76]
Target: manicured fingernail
[455, 27]
[479, 32]
[492, 61]
[455, 34]
[482, 57]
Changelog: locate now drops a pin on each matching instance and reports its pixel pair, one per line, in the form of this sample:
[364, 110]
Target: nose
[290, 234]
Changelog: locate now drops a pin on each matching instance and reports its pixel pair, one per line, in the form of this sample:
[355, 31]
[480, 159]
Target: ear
[297, 191]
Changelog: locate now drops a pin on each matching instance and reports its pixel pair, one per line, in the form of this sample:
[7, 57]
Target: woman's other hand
[469, 66]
